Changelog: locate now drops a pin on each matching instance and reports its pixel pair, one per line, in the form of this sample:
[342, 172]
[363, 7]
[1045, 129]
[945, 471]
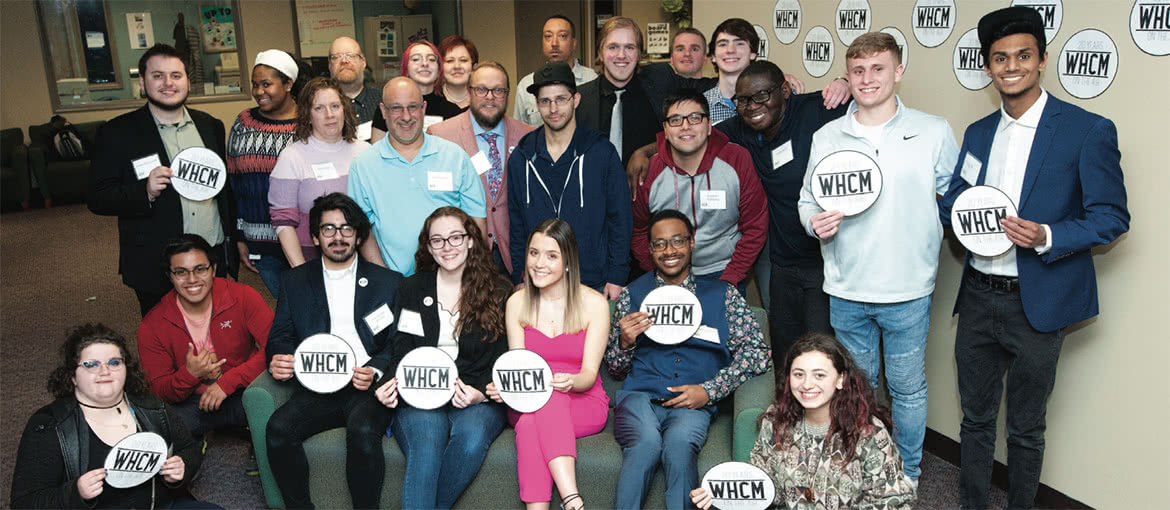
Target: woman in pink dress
[566, 323]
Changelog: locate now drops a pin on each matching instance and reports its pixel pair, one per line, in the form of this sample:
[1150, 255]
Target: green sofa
[59, 180]
[599, 457]
[14, 174]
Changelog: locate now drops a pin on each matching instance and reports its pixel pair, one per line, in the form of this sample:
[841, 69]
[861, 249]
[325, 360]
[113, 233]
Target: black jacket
[476, 356]
[143, 227]
[54, 452]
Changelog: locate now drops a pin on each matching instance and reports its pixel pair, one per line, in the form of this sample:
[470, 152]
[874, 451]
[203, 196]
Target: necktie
[615, 123]
[496, 174]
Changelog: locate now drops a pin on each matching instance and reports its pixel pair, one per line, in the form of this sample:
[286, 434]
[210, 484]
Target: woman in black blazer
[459, 298]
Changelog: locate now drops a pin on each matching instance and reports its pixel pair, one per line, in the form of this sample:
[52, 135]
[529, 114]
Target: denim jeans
[444, 449]
[270, 268]
[900, 329]
[649, 433]
[230, 413]
[994, 336]
[799, 306]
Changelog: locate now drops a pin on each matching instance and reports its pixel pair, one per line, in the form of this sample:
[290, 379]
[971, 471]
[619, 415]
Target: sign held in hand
[324, 363]
[675, 312]
[135, 459]
[976, 218]
[426, 378]
[739, 486]
[523, 379]
[846, 181]
[198, 173]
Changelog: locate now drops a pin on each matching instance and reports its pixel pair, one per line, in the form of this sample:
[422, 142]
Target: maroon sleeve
[639, 243]
[166, 370]
[258, 317]
[753, 215]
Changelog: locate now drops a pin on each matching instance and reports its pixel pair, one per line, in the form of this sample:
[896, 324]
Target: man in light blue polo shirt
[406, 176]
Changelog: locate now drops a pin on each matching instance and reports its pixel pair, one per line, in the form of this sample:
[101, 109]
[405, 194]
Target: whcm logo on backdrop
[1149, 26]
[1087, 64]
[1051, 11]
[933, 21]
[818, 51]
[786, 20]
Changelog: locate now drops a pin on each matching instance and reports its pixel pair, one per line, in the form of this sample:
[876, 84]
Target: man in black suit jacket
[130, 174]
[343, 295]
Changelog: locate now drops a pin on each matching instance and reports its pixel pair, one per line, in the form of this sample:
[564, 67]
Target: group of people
[423, 217]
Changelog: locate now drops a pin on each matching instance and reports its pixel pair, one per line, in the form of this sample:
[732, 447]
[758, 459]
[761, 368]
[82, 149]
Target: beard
[164, 106]
[342, 258]
[488, 122]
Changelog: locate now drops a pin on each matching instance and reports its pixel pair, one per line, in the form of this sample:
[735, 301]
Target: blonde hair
[871, 43]
[616, 23]
[560, 231]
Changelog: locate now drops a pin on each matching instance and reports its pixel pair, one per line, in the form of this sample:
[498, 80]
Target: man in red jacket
[204, 342]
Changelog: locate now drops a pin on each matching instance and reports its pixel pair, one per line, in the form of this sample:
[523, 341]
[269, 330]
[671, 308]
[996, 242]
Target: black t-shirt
[437, 106]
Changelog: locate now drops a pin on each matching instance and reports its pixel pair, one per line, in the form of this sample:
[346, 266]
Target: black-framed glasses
[200, 270]
[760, 97]
[337, 57]
[455, 240]
[330, 230]
[676, 242]
[499, 92]
[692, 119]
[93, 365]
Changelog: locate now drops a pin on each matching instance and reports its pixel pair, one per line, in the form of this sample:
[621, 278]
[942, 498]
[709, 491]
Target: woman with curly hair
[460, 296]
[102, 397]
[825, 441]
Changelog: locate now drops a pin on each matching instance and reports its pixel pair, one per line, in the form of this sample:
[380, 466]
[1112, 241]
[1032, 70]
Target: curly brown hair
[484, 289]
[61, 378]
[305, 110]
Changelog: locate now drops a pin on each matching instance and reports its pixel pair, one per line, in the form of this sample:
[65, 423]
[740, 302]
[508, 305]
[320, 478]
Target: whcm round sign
[739, 486]
[818, 51]
[523, 379]
[968, 62]
[976, 219]
[846, 181]
[675, 313]
[135, 459]
[854, 18]
[786, 20]
[324, 363]
[198, 173]
[426, 378]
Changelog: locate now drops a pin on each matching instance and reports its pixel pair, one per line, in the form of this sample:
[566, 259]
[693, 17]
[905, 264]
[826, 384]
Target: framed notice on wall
[319, 22]
[218, 25]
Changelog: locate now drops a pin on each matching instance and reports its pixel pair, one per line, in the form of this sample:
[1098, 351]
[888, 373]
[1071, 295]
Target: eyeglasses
[93, 365]
[455, 240]
[545, 102]
[483, 91]
[676, 242]
[338, 57]
[182, 272]
[760, 97]
[692, 119]
[330, 230]
[397, 109]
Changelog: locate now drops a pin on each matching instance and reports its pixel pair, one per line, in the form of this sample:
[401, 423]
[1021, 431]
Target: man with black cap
[574, 174]
[1061, 166]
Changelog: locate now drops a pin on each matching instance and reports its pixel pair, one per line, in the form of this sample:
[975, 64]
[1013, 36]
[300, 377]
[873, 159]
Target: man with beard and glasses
[347, 66]
[130, 178]
[344, 296]
[406, 176]
[662, 412]
[488, 138]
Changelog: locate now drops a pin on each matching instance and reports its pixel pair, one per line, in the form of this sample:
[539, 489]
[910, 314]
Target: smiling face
[102, 385]
[1014, 64]
[403, 108]
[192, 288]
[327, 115]
[814, 381]
[165, 82]
[686, 55]
[271, 94]
[619, 56]
[764, 117]
[557, 41]
[448, 257]
[423, 65]
[732, 54]
[489, 109]
[873, 79]
[672, 263]
[687, 139]
[457, 66]
[545, 263]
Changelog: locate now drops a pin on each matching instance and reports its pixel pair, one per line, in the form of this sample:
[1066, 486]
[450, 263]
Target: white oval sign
[1149, 26]
[846, 181]
[762, 34]
[786, 20]
[854, 18]
[976, 216]
[198, 173]
[739, 486]
[135, 459]
[968, 62]
[933, 21]
[818, 51]
[900, 38]
[324, 363]
[1087, 64]
[523, 379]
[675, 312]
[426, 378]
[1051, 11]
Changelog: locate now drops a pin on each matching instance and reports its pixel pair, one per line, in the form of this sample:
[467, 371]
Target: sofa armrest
[261, 399]
[752, 398]
[36, 167]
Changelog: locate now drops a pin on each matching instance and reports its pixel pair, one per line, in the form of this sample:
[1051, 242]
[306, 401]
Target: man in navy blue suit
[1061, 165]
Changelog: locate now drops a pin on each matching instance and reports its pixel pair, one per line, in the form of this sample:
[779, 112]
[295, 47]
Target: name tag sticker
[325, 171]
[143, 166]
[971, 167]
[440, 181]
[365, 130]
[708, 333]
[712, 199]
[782, 155]
[253, 256]
[409, 321]
[481, 163]
[378, 319]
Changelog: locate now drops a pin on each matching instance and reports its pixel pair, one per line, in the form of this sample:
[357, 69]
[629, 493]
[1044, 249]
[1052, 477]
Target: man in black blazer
[130, 176]
[341, 294]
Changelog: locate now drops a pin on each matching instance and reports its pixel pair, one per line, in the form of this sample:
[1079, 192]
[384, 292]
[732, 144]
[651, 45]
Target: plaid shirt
[720, 111]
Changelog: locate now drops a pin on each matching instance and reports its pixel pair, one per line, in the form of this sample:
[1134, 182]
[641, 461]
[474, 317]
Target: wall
[491, 25]
[1106, 440]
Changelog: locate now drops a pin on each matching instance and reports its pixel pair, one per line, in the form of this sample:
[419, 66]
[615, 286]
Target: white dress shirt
[340, 286]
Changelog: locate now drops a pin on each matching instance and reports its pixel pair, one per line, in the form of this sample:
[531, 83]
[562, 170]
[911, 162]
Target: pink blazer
[458, 129]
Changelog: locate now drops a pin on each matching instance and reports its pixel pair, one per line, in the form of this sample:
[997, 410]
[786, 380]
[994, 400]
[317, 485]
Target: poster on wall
[933, 21]
[141, 30]
[658, 38]
[386, 35]
[1149, 26]
[854, 18]
[218, 24]
[818, 51]
[786, 16]
[319, 22]
[968, 62]
[1051, 11]
[901, 39]
[1087, 64]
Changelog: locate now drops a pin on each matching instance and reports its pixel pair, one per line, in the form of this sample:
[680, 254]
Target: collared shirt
[340, 285]
[745, 341]
[525, 109]
[365, 104]
[486, 149]
[199, 217]
[722, 108]
[1005, 171]
[640, 124]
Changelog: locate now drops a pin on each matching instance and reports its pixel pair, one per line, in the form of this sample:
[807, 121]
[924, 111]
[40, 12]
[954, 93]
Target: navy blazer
[303, 311]
[1072, 183]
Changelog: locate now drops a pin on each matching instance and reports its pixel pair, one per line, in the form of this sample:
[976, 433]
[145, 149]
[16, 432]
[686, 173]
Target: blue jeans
[649, 433]
[900, 330]
[444, 448]
[270, 268]
[229, 414]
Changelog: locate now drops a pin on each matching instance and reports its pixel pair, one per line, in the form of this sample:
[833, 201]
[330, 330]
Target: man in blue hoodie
[571, 173]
